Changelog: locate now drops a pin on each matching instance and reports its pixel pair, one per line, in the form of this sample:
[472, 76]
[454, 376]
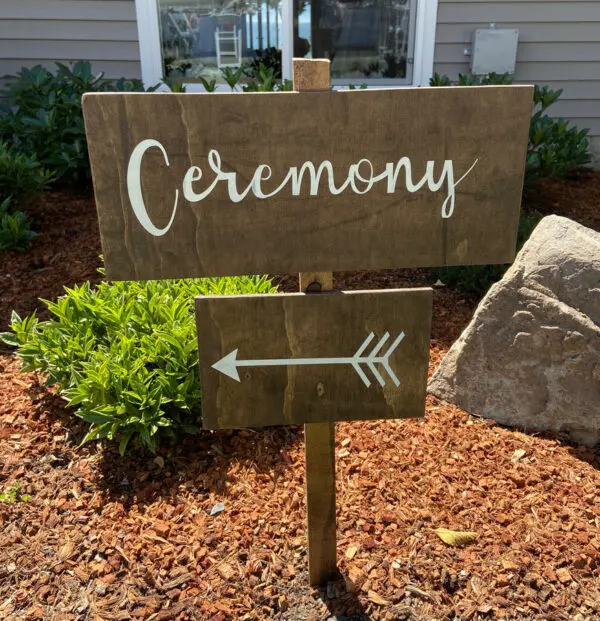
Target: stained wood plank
[314, 326]
[304, 227]
[319, 438]
[319, 441]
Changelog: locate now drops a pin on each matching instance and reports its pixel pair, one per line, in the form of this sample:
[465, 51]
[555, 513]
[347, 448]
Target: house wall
[559, 45]
[43, 31]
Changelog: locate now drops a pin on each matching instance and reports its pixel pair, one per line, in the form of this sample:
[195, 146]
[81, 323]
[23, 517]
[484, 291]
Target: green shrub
[232, 76]
[43, 117]
[125, 354]
[477, 279]
[260, 78]
[269, 58]
[21, 176]
[465, 79]
[15, 233]
[555, 149]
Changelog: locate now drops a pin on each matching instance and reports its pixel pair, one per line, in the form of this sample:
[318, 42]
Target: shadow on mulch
[65, 253]
[202, 463]
[339, 605]
[577, 197]
[587, 454]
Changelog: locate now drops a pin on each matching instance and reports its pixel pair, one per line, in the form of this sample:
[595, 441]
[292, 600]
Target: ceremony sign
[289, 359]
[191, 185]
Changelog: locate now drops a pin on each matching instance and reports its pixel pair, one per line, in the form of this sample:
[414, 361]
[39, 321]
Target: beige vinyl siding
[559, 45]
[44, 31]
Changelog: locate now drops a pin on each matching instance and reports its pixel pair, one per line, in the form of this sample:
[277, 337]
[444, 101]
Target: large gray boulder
[531, 355]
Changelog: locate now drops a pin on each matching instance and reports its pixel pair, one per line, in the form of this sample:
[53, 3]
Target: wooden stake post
[217, 185]
[319, 438]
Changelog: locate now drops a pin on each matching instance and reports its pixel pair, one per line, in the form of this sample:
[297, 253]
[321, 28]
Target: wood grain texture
[316, 281]
[324, 325]
[287, 233]
[320, 499]
[319, 438]
[311, 74]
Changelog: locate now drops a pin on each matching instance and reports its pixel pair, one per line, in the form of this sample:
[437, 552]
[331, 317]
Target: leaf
[9, 338]
[456, 538]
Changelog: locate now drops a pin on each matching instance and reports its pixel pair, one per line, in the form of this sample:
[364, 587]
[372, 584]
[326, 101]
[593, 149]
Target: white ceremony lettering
[134, 187]
[295, 179]
[446, 213]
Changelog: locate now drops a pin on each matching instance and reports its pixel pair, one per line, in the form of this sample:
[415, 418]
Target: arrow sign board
[297, 358]
[229, 364]
[217, 185]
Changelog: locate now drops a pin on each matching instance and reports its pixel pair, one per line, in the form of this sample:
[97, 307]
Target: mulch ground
[577, 198]
[104, 537]
[67, 252]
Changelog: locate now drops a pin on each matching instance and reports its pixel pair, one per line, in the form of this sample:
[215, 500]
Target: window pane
[200, 37]
[362, 38]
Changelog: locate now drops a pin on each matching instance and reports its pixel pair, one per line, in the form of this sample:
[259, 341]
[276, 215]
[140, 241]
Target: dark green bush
[465, 79]
[269, 58]
[125, 354]
[15, 233]
[477, 279]
[41, 112]
[21, 176]
[42, 115]
[555, 148]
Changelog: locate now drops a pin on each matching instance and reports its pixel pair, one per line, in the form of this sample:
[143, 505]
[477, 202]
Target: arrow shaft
[288, 362]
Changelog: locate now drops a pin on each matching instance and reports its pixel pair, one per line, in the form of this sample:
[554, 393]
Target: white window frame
[424, 46]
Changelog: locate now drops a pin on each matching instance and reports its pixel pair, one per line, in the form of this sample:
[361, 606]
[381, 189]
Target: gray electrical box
[494, 50]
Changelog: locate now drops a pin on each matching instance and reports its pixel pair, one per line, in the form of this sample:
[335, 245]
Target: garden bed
[65, 253]
[91, 535]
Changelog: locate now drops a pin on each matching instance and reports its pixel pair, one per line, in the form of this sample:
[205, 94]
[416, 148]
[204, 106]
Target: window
[379, 42]
[364, 39]
[199, 38]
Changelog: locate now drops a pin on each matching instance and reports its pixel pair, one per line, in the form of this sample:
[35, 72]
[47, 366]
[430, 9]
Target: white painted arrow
[229, 364]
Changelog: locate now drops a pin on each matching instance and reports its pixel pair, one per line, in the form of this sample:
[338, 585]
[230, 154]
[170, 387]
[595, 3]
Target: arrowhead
[228, 366]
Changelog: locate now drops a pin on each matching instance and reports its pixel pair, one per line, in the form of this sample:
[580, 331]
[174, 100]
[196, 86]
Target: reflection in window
[362, 38]
[201, 37]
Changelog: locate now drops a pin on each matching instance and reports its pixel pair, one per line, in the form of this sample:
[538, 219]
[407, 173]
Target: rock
[531, 355]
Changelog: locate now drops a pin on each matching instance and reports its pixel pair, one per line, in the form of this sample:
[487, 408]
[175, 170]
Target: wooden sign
[285, 359]
[193, 185]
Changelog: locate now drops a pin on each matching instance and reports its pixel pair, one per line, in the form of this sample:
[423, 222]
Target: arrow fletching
[373, 359]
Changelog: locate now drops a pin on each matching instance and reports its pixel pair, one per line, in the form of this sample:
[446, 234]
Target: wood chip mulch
[65, 253]
[577, 197]
[215, 528]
